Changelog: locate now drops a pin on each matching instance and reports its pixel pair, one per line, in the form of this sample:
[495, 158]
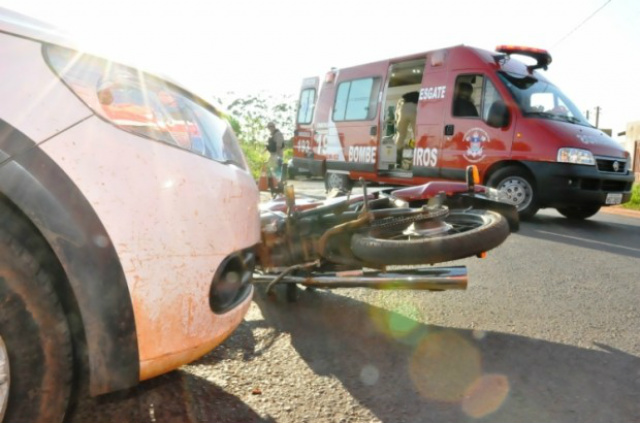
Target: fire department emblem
[475, 137]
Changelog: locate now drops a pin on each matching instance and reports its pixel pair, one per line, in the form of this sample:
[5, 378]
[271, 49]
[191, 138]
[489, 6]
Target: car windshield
[541, 99]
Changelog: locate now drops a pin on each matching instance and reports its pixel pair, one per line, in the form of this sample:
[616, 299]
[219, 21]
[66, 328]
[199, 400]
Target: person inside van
[462, 104]
[406, 111]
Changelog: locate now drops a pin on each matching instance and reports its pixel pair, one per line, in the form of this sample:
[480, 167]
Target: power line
[582, 23]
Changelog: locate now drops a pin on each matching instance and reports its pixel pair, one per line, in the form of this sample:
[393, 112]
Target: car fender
[37, 186]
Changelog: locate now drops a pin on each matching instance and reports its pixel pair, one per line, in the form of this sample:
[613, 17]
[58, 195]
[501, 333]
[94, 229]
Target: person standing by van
[275, 146]
[406, 111]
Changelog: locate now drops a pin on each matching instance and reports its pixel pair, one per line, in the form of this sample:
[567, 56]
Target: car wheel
[337, 181]
[579, 212]
[35, 343]
[516, 188]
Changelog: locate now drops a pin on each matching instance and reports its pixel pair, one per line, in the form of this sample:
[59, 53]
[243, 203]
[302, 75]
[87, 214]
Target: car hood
[579, 136]
[28, 27]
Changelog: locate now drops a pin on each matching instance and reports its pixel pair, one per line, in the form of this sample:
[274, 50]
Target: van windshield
[541, 99]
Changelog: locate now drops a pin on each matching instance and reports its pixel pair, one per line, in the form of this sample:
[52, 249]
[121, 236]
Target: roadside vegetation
[634, 203]
[249, 117]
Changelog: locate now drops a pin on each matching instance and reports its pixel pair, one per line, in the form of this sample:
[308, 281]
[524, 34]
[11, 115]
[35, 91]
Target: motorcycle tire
[471, 233]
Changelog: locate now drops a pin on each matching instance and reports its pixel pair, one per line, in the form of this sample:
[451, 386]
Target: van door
[347, 122]
[303, 136]
[398, 118]
[477, 127]
[432, 105]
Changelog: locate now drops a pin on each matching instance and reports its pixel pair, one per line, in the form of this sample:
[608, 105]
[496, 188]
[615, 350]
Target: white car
[128, 220]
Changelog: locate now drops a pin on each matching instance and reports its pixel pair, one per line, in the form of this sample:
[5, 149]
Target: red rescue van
[525, 136]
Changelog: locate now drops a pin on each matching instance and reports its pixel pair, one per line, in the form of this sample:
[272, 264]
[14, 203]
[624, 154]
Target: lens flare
[398, 322]
[485, 395]
[444, 365]
[478, 335]
[369, 375]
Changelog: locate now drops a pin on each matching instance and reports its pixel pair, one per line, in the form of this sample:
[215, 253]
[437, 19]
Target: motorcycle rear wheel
[464, 234]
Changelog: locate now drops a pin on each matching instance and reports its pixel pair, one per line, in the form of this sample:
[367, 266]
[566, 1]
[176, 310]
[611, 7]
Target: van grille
[615, 186]
[611, 165]
[603, 185]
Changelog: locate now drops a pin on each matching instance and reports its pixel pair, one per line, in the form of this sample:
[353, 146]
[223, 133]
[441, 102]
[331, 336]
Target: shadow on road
[612, 237]
[177, 397]
[406, 371]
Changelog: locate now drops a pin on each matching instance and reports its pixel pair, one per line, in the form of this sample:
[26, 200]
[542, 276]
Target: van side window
[467, 95]
[306, 105]
[356, 100]
[489, 96]
[473, 96]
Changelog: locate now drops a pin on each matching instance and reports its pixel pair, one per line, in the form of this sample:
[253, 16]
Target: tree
[249, 117]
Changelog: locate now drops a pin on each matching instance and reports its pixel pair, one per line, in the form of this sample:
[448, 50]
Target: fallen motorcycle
[369, 240]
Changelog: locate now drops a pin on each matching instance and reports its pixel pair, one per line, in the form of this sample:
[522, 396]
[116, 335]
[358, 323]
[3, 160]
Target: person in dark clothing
[275, 147]
[462, 104]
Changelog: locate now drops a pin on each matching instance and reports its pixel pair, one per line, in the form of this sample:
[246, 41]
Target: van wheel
[579, 212]
[516, 188]
[337, 181]
[35, 343]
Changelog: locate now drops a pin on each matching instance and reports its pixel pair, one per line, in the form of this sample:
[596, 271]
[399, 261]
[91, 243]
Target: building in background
[631, 143]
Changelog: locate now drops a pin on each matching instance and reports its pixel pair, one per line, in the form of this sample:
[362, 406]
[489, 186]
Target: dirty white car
[127, 221]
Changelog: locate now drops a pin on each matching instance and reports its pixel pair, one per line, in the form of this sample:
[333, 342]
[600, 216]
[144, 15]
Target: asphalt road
[547, 331]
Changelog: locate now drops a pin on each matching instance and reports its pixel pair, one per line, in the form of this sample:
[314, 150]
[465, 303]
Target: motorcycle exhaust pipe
[424, 279]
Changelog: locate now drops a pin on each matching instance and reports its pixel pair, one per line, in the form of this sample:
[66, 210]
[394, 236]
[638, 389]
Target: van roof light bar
[542, 57]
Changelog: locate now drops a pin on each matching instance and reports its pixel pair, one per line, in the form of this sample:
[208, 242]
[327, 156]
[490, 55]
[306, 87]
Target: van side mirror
[499, 115]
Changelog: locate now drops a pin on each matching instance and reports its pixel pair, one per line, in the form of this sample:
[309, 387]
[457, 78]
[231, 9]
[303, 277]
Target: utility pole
[597, 115]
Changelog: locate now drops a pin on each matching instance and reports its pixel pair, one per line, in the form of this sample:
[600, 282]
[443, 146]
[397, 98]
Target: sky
[252, 46]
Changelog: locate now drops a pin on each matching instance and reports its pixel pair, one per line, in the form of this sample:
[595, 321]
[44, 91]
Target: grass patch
[634, 203]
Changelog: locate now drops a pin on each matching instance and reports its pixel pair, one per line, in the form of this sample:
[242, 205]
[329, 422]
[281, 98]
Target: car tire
[579, 212]
[34, 333]
[517, 188]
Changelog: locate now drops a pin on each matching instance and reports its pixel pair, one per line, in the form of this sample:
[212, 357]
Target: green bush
[248, 116]
[256, 156]
[255, 152]
[634, 203]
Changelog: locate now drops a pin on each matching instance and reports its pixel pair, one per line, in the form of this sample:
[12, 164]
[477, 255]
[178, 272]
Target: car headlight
[576, 155]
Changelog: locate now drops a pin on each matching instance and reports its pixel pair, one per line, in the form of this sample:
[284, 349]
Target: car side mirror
[499, 115]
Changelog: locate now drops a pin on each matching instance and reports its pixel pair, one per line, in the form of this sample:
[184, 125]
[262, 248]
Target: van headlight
[576, 155]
